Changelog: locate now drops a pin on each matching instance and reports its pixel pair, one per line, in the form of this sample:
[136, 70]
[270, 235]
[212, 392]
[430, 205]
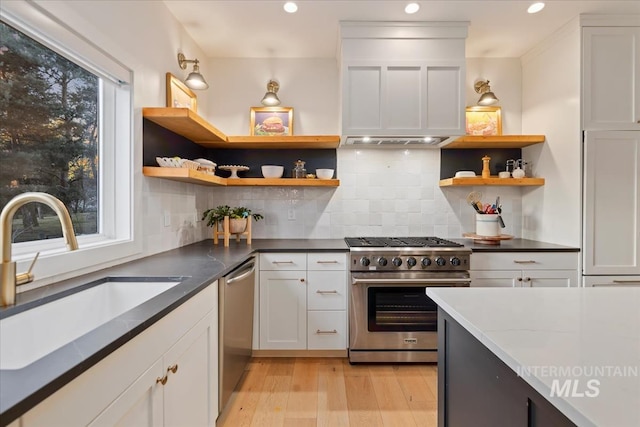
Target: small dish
[465, 174]
[504, 174]
[272, 171]
[324, 173]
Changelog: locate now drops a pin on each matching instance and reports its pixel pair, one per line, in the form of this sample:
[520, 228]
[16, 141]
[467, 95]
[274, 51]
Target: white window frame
[117, 237]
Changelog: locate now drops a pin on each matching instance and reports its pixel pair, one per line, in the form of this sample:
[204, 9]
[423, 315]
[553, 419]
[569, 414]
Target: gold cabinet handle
[282, 262]
[162, 380]
[327, 262]
[529, 261]
[326, 292]
[173, 368]
[326, 332]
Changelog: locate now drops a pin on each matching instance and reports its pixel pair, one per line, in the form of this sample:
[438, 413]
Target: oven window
[401, 309]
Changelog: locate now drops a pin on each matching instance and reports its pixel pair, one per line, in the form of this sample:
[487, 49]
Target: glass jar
[299, 171]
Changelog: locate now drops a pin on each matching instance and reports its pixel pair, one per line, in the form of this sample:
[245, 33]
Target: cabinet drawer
[621, 281]
[327, 261]
[327, 330]
[327, 290]
[283, 261]
[525, 261]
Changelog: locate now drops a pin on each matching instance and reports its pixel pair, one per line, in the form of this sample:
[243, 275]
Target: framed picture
[271, 121]
[179, 95]
[484, 121]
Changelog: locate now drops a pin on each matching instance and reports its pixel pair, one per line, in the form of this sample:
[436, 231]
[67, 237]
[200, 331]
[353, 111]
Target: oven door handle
[412, 281]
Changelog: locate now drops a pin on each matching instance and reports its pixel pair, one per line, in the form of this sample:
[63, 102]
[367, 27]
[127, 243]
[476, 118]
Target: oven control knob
[455, 261]
[382, 261]
[426, 262]
[411, 262]
[397, 261]
[441, 261]
[364, 261]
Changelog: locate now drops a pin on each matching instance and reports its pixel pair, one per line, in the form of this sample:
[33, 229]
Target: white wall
[551, 106]
[382, 192]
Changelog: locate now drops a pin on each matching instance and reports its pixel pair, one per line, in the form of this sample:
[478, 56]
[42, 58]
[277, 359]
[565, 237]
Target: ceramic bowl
[271, 171]
[324, 173]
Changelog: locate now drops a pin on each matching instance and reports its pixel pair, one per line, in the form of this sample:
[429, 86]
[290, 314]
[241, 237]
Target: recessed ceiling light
[290, 7]
[536, 7]
[411, 8]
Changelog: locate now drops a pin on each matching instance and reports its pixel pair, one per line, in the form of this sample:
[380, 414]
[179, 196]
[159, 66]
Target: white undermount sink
[27, 336]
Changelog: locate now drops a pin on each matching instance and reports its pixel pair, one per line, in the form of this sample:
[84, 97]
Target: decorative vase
[237, 225]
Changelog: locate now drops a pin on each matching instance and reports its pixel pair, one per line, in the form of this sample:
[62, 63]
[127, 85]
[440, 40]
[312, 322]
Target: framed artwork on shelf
[484, 121]
[271, 121]
[179, 95]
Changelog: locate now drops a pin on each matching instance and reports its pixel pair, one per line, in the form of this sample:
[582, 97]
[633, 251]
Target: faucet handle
[27, 277]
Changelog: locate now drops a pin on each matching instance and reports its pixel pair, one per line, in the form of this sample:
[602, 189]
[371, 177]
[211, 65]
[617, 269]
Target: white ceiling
[261, 28]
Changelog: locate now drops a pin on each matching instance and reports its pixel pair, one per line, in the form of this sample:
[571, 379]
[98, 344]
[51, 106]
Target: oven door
[391, 311]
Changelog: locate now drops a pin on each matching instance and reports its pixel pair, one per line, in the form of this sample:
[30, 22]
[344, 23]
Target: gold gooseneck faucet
[9, 278]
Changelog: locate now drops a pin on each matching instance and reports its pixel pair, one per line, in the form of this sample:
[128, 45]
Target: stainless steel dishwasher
[235, 327]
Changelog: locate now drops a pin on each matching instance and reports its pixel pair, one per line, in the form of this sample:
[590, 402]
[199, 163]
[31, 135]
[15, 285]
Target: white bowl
[270, 171]
[324, 173]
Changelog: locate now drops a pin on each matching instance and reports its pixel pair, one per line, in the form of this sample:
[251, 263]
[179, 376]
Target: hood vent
[396, 142]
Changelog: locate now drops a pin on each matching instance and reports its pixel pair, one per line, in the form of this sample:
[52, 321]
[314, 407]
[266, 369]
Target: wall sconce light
[270, 98]
[487, 97]
[194, 80]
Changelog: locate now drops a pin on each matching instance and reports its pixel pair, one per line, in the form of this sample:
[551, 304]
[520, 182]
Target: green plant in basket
[217, 214]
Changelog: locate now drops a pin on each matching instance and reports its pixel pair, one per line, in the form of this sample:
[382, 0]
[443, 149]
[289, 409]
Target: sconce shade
[487, 97]
[270, 98]
[194, 80]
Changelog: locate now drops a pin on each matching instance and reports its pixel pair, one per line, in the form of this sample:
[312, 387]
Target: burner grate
[399, 242]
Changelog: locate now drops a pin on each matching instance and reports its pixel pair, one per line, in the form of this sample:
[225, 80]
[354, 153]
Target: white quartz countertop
[590, 336]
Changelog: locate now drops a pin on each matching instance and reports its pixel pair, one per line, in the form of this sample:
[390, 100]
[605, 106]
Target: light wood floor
[305, 392]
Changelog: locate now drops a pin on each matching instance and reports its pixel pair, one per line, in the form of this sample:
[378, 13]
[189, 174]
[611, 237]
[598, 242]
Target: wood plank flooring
[306, 392]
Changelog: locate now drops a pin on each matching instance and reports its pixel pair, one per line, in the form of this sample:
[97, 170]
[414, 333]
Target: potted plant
[238, 217]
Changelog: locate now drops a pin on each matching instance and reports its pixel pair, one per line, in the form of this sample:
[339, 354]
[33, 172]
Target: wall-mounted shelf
[185, 122]
[452, 182]
[496, 141]
[195, 177]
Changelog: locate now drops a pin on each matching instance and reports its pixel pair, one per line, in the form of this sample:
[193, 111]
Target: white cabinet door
[549, 279]
[139, 405]
[191, 392]
[283, 310]
[612, 203]
[327, 290]
[403, 98]
[327, 330]
[494, 278]
[611, 83]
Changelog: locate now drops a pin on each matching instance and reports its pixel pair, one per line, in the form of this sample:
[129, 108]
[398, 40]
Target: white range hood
[402, 83]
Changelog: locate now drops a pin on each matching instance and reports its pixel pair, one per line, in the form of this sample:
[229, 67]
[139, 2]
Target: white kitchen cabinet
[303, 309]
[524, 269]
[611, 203]
[620, 281]
[125, 388]
[403, 98]
[283, 310]
[611, 78]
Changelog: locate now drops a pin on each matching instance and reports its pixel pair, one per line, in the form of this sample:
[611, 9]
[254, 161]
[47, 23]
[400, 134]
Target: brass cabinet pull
[173, 368]
[529, 261]
[327, 262]
[162, 380]
[326, 332]
[282, 262]
[326, 292]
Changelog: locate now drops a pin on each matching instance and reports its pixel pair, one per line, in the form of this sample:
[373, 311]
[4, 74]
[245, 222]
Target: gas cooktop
[400, 242]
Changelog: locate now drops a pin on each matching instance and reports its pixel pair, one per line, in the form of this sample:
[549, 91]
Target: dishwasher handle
[248, 269]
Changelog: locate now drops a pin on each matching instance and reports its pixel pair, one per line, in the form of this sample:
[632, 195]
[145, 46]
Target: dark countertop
[516, 245]
[196, 266]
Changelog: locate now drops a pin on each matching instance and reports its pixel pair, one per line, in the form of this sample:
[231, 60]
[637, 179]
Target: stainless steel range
[390, 317]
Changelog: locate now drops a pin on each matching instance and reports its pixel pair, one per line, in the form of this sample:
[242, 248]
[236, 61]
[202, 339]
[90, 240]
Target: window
[65, 129]
[49, 136]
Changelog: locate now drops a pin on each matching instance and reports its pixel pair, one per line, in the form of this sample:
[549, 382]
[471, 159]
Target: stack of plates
[465, 174]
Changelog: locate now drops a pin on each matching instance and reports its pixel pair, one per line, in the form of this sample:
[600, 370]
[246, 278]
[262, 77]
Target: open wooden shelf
[195, 177]
[185, 122]
[451, 182]
[496, 141]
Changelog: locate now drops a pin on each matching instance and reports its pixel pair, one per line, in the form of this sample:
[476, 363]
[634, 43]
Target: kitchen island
[523, 357]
